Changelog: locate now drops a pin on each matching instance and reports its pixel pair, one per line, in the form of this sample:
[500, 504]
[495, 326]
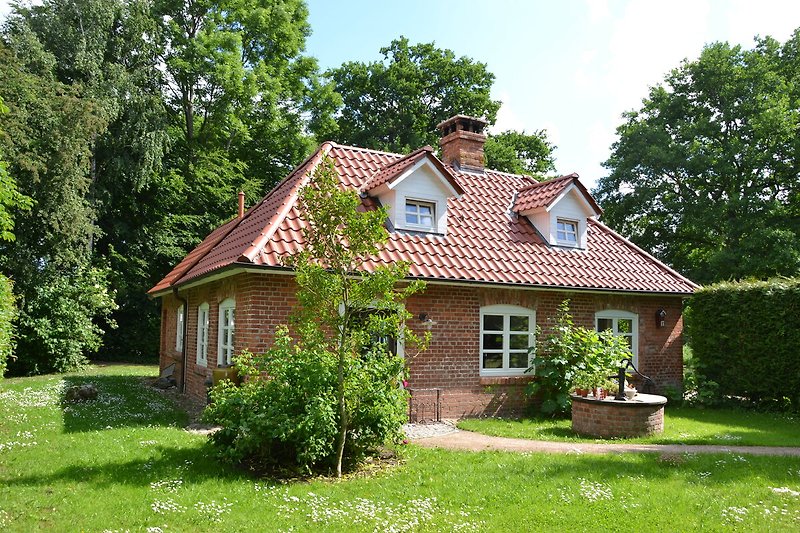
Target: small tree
[336, 388]
[569, 353]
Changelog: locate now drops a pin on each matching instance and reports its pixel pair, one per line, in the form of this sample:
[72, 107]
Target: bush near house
[8, 313]
[746, 338]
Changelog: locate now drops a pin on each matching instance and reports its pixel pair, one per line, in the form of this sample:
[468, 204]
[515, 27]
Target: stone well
[644, 415]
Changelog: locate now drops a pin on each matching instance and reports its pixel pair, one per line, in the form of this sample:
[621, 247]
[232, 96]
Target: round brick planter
[644, 415]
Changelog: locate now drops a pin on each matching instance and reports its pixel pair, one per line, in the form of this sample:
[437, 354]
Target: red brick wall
[264, 301]
[616, 419]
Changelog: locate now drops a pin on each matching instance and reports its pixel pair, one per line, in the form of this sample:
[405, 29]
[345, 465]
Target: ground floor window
[202, 334]
[507, 332]
[623, 324]
[227, 310]
[179, 318]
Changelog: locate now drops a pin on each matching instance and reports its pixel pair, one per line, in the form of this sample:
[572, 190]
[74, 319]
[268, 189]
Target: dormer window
[420, 214]
[567, 232]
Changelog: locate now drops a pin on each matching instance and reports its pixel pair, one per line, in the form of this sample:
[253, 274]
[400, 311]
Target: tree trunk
[342, 415]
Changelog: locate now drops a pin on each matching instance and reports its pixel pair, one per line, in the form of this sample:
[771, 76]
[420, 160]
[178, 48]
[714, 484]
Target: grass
[124, 463]
[682, 425]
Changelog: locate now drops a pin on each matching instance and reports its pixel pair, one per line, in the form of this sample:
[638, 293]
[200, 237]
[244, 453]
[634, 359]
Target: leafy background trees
[705, 174]
[132, 124]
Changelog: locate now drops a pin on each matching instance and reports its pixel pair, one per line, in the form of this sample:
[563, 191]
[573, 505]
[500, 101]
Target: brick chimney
[462, 142]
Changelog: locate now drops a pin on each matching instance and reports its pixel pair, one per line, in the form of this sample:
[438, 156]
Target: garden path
[457, 439]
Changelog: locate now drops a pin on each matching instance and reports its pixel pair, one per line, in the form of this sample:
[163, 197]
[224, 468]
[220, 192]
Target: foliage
[569, 356]
[126, 462]
[395, 104]
[60, 321]
[705, 173]
[520, 153]
[10, 198]
[745, 336]
[8, 316]
[333, 393]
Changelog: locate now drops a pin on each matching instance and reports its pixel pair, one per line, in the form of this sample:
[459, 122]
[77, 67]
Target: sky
[571, 67]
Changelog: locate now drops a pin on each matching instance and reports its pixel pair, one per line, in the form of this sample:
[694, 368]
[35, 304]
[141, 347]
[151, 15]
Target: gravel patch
[432, 429]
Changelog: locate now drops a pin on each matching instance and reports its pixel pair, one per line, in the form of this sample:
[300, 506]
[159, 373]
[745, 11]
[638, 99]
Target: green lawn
[682, 425]
[123, 463]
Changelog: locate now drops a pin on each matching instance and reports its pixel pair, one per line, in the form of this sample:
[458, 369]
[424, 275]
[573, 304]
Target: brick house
[499, 253]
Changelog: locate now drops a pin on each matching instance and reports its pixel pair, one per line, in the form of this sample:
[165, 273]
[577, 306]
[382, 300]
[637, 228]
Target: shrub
[284, 414]
[745, 338]
[571, 356]
[59, 322]
[8, 314]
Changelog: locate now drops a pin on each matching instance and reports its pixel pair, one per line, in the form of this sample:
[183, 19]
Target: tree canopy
[395, 104]
[520, 153]
[705, 174]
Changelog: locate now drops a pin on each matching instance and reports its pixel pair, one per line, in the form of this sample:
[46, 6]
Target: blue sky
[571, 67]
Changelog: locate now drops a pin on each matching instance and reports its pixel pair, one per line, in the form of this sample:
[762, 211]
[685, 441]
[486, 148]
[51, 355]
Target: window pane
[518, 342]
[604, 324]
[426, 221]
[492, 360]
[411, 218]
[425, 210]
[519, 323]
[629, 341]
[493, 322]
[518, 360]
[625, 325]
[492, 341]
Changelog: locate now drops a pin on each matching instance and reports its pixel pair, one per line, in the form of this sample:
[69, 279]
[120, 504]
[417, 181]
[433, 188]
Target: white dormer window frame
[226, 327]
[567, 232]
[420, 214]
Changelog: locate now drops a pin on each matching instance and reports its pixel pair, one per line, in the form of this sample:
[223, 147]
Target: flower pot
[630, 393]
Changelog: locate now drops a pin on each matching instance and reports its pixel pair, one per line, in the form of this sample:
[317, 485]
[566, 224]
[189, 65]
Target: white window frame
[180, 317]
[506, 311]
[417, 204]
[575, 232]
[615, 315]
[202, 334]
[225, 335]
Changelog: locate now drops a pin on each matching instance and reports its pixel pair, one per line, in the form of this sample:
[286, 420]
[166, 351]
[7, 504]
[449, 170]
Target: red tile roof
[484, 242]
[544, 193]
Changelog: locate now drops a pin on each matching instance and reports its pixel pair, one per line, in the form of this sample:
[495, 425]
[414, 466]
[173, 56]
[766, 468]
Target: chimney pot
[241, 204]
[462, 142]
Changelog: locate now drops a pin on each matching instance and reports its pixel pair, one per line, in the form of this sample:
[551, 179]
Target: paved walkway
[467, 440]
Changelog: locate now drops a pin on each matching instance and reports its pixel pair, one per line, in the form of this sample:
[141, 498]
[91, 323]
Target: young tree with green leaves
[341, 394]
[705, 173]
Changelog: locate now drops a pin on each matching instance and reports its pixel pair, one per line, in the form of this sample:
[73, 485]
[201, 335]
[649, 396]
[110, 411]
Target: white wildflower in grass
[148, 442]
[379, 516]
[785, 490]
[728, 437]
[213, 510]
[595, 491]
[168, 485]
[4, 519]
[156, 529]
[734, 514]
[23, 439]
[704, 475]
[166, 506]
[46, 396]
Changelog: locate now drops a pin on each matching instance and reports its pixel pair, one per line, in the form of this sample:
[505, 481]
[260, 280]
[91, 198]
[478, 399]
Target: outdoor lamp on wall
[661, 318]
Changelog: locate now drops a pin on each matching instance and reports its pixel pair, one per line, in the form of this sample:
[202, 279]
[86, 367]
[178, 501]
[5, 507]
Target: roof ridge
[652, 259]
[362, 149]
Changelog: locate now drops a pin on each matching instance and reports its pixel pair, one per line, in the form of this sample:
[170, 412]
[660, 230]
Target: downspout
[185, 303]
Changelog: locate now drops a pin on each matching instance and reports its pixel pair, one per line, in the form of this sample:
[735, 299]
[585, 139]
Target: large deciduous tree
[395, 104]
[520, 153]
[705, 174]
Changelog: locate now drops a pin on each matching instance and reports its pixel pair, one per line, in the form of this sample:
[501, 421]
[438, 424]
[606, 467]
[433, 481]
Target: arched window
[623, 324]
[507, 332]
[202, 334]
[180, 317]
[225, 332]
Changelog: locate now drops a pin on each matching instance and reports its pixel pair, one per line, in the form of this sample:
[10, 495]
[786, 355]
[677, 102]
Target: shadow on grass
[122, 401]
[189, 464]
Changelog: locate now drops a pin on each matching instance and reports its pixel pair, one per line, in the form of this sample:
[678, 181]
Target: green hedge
[8, 313]
[746, 337]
